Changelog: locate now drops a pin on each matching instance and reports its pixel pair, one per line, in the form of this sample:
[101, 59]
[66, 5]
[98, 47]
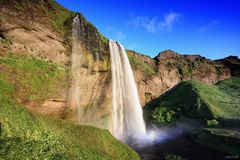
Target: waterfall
[127, 116]
[76, 57]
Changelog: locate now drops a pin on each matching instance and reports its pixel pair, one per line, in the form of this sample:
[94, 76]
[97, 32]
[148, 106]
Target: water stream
[127, 113]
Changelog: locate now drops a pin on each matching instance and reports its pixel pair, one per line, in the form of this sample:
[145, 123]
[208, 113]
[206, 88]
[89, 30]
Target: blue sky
[210, 28]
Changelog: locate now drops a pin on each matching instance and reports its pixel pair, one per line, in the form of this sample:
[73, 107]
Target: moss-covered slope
[197, 100]
[27, 135]
[211, 114]
[34, 80]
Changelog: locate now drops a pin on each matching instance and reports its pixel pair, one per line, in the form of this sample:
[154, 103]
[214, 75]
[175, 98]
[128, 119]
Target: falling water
[74, 92]
[127, 116]
[127, 113]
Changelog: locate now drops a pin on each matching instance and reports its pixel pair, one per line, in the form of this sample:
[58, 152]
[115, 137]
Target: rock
[52, 107]
[172, 68]
[233, 63]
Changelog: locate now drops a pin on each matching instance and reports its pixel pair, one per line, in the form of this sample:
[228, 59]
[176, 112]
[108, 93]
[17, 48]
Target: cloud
[120, 36]
[144, 22]
[170, 20]
[132, 46]
[153, 25]
[116, 33]
[205, 28]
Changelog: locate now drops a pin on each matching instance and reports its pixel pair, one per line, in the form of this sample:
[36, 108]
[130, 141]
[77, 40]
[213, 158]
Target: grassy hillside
[211, 114]
[197, 100]
[24, 134]
[33, 80]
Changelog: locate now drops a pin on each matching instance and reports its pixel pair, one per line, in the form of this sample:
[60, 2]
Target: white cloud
[120, 36]
[144, 22]
[153, 25]
[132, 46]
[170, 20]
[116, 33]
[205, 28]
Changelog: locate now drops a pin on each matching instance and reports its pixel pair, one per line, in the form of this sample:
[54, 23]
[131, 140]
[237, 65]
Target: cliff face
[27, 26]
[170, 68]
[42, 29]
[233, 63]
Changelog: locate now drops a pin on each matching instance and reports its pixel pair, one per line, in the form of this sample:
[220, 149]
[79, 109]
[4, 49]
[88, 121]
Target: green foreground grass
[27, 135]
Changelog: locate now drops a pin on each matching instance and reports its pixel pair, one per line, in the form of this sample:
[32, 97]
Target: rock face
[170, 68]
[233, 63]
[42, 28]
[25, 27]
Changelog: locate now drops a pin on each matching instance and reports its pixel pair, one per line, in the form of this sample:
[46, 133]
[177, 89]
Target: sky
[210, 28]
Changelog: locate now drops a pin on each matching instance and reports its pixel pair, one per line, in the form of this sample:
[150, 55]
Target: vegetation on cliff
[197, 100]
[34, 80]
[210, 113]
[136, 64]
[25, 134]
[233, 63]
[33, 15]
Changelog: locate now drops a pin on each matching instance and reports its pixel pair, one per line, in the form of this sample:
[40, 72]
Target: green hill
[198, 101]
[210, 114]
[27, 135]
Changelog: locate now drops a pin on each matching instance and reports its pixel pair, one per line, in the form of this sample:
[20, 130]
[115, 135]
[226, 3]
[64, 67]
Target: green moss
[33, 79]
[212, 123]
[221, 143]
[163, 115]
[58, 15]
[61, 20]
[147, 69]
[26, 135]
[198, 100]
[5, 41]
[196, 106]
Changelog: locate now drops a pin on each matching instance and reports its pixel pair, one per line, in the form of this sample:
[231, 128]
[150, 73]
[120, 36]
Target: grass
[5, 41]
[61, 19]
[93, 41]
[197, 100]
[219, 142]
[59, 16]
[186, 68]
[136, 64]
[33, 79]
[26, 135]
[209, 113]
